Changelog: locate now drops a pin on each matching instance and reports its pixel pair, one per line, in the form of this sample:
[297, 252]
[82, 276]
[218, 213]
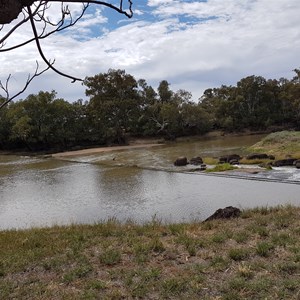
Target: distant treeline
[120, 106]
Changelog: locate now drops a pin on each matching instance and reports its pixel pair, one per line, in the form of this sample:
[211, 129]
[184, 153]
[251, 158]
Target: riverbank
[256, 256]
[132, 143]
[136, 145]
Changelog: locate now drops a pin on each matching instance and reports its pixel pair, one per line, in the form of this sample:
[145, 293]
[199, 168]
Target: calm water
[135, 184]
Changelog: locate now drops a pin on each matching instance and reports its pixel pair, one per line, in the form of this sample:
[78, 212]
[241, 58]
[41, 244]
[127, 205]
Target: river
[137, 184]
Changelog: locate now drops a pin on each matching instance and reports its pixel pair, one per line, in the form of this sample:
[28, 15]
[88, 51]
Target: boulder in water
[181, 161]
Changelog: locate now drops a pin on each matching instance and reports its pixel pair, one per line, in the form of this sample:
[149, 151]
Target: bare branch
[120, 9]
[25, 19]
[34, 13]
[5, 87]
[60, 25]
[41, 51]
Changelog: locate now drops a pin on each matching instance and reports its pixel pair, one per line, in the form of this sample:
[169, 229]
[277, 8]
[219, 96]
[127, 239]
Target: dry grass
[256, 256]
[281, 144]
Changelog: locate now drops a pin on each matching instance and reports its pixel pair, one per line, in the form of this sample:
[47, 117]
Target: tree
[164, 91]
[16, 14]
[114, 104]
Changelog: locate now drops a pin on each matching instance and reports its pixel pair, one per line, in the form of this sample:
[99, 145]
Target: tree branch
[59, 27]
[118, 9]
[10, 9]
[41, 51]
[5, 87]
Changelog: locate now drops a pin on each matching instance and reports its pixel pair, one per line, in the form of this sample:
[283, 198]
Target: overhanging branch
[34, 12]
[5, 87]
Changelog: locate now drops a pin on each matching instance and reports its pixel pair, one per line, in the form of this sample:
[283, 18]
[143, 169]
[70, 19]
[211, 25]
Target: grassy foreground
[256, 256]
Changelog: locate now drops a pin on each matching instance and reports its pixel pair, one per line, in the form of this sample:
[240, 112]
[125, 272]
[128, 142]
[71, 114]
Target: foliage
[120, 106]
[254, 103]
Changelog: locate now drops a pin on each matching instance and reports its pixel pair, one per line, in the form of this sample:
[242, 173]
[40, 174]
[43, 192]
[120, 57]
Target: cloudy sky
[194, 45]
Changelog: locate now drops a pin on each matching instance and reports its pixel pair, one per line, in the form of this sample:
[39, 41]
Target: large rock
[225, 213]
[228, 158]
[196, 161]
[258, 156]
[284, 162]
[181, 161]
[297, 163]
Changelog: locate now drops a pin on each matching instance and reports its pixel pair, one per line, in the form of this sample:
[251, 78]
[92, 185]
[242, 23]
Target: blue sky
[194, 45]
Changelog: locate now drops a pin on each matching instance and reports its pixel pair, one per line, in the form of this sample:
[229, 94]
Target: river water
[139, 185]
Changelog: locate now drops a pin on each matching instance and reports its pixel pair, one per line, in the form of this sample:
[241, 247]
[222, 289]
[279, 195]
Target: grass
[222, 168]
[280, 144]
[256, 256]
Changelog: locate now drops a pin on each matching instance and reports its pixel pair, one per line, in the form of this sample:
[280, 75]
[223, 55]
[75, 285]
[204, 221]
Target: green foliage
[120, 106]
[254, 103]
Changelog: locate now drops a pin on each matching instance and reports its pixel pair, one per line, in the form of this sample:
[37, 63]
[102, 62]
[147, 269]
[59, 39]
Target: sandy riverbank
[89, 151]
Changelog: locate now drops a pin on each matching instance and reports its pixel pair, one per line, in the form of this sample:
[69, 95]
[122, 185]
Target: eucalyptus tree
[114, 104]
[16, 15]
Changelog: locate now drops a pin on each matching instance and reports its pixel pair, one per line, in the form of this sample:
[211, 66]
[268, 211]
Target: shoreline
[90, 151]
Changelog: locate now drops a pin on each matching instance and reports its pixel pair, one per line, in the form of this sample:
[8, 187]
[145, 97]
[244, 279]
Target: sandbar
[103, 149]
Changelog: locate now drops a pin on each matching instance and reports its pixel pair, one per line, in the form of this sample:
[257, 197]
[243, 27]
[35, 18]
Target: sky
[194, 45]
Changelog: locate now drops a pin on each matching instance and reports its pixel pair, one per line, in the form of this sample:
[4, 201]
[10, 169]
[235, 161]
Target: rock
[267, 165]
[203, 167]
[181, 161]
[234, 162]
[225, 213]
[284, 162]
[272, 157]
[297, 163]
[196, 161]
[228, 158]
[258, 156]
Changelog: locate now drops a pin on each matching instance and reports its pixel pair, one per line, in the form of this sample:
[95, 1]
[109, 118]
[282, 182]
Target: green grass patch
[256, 256]
[238, 253]
[221, 168]
[264, 248]
[110, 257]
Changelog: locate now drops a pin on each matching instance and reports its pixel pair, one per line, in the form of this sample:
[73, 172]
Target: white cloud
[237, 38]
[160, 2]
[138, 12]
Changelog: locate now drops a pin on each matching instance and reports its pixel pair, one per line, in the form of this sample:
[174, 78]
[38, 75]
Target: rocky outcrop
[197, 161]
[181, 161]
[225, 213]
[297, 163]
[260, 156]
[284, 162]
[231, 158]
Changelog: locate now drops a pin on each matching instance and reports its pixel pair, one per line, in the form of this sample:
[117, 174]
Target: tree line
[120, 106]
